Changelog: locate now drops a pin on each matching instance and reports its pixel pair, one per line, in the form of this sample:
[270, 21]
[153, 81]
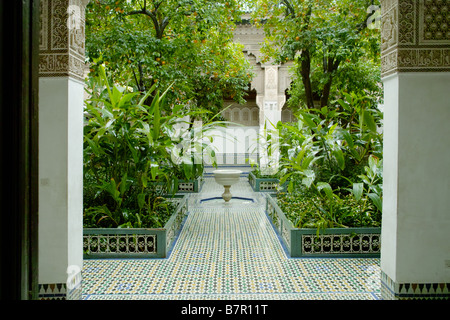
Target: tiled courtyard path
[230, 252]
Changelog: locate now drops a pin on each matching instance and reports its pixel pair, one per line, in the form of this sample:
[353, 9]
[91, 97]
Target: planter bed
[100, 243]
[333, 242]
[263, 184]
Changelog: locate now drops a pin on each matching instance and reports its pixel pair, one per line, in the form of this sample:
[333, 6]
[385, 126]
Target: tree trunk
[326, 93]
[305, 71]
[329, 68]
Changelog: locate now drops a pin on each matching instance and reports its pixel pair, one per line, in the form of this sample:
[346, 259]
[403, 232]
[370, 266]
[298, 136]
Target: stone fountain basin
[227, 177]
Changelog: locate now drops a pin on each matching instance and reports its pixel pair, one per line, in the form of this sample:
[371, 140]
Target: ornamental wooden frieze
[61, 39]
[415, 36]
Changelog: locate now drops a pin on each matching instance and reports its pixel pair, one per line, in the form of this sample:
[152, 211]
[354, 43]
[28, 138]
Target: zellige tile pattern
[230, 251]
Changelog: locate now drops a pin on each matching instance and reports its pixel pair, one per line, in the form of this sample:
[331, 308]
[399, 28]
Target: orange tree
[184, 42]
[333, 44]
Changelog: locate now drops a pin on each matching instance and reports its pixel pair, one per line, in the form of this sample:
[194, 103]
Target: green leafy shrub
[129, 165]
[331, 160]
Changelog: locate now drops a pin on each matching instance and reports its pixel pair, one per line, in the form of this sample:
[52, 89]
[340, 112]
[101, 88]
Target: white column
[415, 250]
[61, 177]
[61, 93]
[416, 218]
[270, 102]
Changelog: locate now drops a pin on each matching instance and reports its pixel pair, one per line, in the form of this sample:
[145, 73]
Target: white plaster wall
[416, 213]
[60, 176]
[234, 139]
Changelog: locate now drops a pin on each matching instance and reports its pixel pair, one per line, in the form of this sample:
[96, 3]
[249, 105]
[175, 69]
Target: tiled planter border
[190, 186]
[134, 243]
[263, 184]
[330, 242]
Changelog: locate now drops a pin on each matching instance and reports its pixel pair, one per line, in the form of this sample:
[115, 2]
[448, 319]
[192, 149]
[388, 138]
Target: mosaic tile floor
[230, 252]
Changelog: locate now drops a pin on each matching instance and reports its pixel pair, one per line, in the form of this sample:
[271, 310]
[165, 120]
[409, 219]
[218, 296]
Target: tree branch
[136, 80]
[159, 26]
[290, 10]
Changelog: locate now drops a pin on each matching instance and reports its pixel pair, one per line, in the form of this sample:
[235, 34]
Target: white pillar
[416, 218]
[270, 100]
[61, 179]
[415, 250]
[61, 93]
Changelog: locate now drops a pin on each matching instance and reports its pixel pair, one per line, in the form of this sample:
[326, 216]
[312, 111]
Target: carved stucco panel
[284, 77]
[389, 28]
[434, 22]
[407, 58]
[389, 63]
[429, 58]
[76, 26]
[406, 23]
[62, 37]
[43, 21]
[58, 25]
[415, 36]
[271, 83]
[50, 64]
[76, 66]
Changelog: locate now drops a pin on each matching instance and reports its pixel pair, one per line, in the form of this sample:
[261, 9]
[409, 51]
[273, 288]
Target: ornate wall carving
[415, 36]
[62, 38]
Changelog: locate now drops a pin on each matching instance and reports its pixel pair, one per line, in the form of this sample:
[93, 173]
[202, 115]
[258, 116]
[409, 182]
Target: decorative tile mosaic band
[52, 291]
[60, 291]
[391, 290]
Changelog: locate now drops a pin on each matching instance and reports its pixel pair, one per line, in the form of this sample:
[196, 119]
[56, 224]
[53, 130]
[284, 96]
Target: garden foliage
[332, 156]
[332, 162]
[184, 43]
[133, 157]
[328, 43]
